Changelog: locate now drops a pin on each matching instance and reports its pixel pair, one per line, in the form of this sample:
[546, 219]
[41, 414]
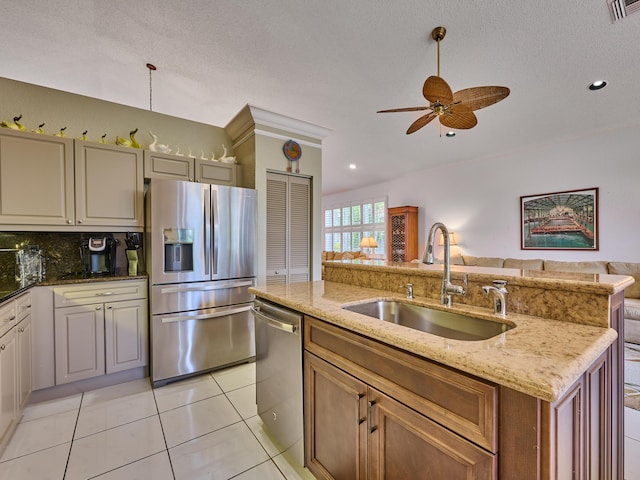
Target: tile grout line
[66, 466]
[164, 437]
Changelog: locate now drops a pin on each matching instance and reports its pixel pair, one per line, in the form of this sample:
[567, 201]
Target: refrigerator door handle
[204, 316]
[207, 231]
[215, 224]
[208, 288]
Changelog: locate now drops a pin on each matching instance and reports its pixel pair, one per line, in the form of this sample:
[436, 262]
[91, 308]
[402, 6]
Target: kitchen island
[541, 400]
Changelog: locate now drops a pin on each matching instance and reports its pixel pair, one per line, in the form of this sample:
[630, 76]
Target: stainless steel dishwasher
[279, 375]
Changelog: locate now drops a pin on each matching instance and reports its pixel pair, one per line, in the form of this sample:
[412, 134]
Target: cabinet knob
[79, 221]
[21, 330]
[98, 307]
[69, 221]
[2, 347]
[109, 307]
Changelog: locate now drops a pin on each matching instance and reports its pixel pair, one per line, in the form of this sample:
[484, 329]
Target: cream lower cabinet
[24, 349]
[8, 381]
[97, 337]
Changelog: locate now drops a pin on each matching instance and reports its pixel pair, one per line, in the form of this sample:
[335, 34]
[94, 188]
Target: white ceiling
[334, 63]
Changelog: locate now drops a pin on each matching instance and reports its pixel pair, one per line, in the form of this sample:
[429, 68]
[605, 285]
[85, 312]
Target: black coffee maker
[99, 255]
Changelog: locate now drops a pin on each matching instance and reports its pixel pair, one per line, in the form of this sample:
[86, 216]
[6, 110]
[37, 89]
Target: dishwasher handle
[275, 322]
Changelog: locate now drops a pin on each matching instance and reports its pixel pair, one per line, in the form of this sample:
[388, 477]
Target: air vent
[622, 8]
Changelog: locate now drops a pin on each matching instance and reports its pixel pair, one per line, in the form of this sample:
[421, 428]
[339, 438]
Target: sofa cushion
[580, 267]
[632, 269]
[632, 308]
[483, 261]
[454, 260]
[534, 264]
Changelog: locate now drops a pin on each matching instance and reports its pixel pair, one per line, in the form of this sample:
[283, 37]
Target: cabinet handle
[360, 419]
[10, 319]
[370, 405]
[104, 294]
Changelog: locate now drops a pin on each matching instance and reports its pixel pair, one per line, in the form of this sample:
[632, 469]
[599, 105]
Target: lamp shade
[368, 242]
[453, 239]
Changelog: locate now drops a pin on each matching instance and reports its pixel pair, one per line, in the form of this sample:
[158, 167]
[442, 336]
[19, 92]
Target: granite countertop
[539, 357]
[10, 289]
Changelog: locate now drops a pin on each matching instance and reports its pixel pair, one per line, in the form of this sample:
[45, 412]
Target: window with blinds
[288, 228]
[346, 225]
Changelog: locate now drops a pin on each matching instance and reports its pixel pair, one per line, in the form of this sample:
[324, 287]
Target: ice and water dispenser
[178, 249]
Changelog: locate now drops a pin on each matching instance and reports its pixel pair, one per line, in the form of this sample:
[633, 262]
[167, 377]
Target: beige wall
[78, 113]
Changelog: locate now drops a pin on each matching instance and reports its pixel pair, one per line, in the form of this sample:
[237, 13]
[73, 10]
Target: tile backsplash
[62, 252]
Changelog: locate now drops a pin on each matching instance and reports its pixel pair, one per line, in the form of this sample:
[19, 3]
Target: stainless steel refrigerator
[200, 241]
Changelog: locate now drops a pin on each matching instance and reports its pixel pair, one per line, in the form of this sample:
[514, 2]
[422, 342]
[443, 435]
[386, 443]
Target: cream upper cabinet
[109, 185]
[36, 179]
[217, 173]
[164, 165]
[47, 182]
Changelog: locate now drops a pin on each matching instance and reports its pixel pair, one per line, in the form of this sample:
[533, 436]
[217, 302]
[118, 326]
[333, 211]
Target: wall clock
[293, 152]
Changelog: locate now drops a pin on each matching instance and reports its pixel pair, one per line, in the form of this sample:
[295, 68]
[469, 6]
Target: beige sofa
[326, 255]
[631, 294]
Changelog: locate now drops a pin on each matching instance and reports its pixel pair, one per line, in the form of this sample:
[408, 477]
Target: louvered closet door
[288, 228]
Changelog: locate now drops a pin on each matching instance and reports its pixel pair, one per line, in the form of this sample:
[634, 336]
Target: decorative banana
[129, 143]
[40, 129]
[16, 125]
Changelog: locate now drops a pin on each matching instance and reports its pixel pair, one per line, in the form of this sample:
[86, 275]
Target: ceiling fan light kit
[453, 110]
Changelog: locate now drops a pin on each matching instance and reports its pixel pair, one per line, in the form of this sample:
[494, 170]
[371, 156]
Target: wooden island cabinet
[540, 401]
[374, 411]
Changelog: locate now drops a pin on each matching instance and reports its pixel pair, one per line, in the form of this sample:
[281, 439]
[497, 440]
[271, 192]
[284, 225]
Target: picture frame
[565, 220]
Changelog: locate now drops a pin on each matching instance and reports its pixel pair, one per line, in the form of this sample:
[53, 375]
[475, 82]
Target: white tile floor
[201, 428]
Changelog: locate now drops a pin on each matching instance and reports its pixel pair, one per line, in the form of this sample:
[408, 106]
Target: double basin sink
[450, 325]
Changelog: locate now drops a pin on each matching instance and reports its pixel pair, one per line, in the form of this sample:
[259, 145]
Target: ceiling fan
[454, 110]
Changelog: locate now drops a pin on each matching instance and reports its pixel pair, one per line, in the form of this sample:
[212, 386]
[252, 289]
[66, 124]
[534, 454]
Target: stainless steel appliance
[99, 255]
[201, 243]
[279, 374]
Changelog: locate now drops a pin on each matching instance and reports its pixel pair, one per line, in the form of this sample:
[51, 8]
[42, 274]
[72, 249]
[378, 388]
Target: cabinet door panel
[36, 179]
[405, 444]
[8, 397]
[335, 430]
[215, 172]
[79, 344]
[162, 165]
[24, 361]
[125, 335]
[109, 185]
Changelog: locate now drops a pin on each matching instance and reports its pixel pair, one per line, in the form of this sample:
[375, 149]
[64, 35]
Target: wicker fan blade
[407, 109]
[479, 97]
[421, 122]
[460, 117]
[435, 89]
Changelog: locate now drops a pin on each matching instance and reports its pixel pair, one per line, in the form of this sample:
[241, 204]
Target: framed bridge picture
[560, 221]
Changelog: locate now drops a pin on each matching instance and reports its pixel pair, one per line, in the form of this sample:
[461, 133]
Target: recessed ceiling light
[597, 85]
[352, 166]
[450, 134]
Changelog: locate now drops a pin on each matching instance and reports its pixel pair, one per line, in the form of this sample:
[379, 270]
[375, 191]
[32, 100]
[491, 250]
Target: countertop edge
[528, 358]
